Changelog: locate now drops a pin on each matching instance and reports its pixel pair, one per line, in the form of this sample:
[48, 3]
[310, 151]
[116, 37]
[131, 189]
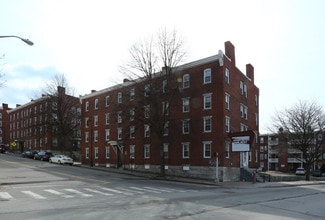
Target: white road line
[5, 195]
[143, 189]
[128, 190]
[58, 193]
[34, 195]
[78, 192]
[158, 189]
[173, 190]
[117, 191]
[98, 192]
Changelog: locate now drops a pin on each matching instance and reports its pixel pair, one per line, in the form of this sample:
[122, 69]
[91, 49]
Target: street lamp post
[30, 43]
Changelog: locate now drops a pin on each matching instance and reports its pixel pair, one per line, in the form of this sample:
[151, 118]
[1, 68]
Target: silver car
[61, 159]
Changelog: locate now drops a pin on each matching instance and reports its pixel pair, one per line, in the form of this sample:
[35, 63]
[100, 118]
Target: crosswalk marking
[98, 192]
[143, 189]
[34, 195]
[58, 193]
[5, 196]
[117, 191]
[78, 192]
[161, 190]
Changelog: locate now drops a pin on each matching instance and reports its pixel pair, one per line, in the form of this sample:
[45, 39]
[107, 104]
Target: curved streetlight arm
[30, 43]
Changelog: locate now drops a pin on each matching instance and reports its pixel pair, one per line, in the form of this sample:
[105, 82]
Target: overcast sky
[87, 40]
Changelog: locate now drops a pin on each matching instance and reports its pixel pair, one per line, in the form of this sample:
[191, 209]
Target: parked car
[29, 154]
[61, 159]
[43, 155]
[300, 171]
[317, 173]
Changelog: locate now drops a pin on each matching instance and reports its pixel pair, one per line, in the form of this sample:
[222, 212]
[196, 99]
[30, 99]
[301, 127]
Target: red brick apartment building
[4, 127]
[35, 125]
[215, 99]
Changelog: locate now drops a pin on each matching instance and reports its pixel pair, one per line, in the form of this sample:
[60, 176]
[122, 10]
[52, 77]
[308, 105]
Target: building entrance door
[243, 159]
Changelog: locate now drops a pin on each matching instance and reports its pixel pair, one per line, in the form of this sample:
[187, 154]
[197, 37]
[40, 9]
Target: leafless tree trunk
[152, 66]
[302, 126]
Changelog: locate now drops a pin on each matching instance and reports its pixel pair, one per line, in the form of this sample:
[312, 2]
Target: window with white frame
[166, 128]
[119, 97]
[207, 76]
[107, 132]
[227, 122]
[147, 90]
[207, 101]
[186, 81]
[107, 118]
[86, 137]
[96, 120]
[256, 100]
[256, 119]
[165, 106]
[256, 155]
[146, 130]
[132, 94]
[132, 151]
[107, 152]
[147, 111]
[243, 111]
[207, 149]
[87, 106]
[207, 124]
[119, 133]
[96, 104]
[186, 150]
[186, 104]
[132, 113]
[227, 101]
[132, 132]
[241, 87]
[87, 153]
[119, 117]
[107, 101]
[165, 151]
[96, 152]
[95, 136]
[186, 126]
[227, 76]
[227, 150]
[86, 122]
[245, 90]
[146, 151]
[243, 127]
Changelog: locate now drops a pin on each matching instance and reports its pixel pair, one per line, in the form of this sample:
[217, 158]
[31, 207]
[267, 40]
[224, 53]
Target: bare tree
[64, 113]
[302, 127]
[151, 67]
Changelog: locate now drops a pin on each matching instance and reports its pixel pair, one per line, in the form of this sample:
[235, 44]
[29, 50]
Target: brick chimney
[230, 51]
[250, 71]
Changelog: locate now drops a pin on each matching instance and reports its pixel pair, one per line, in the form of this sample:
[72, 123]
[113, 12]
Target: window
[243, 111]
[96, 120]
[132, 113]
[86, 122]
[241, 87]
[166, 129]
[207, 101]
[207, 76]
[86, 137]
[107, 118]
[227, 122]
[87, 153]
[186, 81]
[147, 90]
[107, 134]
[132, 151]
[95, 136]
[207, 124]
[96, 152]
[227, 152]
[147, 151]
[132, 94]
[227, 101]
[227, 76]
[146, 130]
[186, 104]
[243, 127]
[165, 109]
[119, 133]
[107, 101]
[186, 126]
[186, 150]
[119, 117]
[147, 111]
[164, 85]
[245, 90]
[87, 106]
[132, 132]
[96, 103]
[119, 97]
[256, 100]
[107, 152]
[165, 151]
[207, 149]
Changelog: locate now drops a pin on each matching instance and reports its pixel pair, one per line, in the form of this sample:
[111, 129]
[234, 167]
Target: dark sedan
[43, 155]
[29, 154]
